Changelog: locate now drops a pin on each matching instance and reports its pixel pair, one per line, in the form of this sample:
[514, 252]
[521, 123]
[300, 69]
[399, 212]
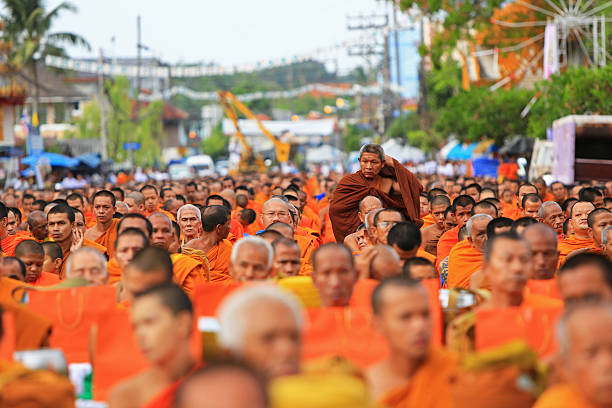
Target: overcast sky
[227, 32]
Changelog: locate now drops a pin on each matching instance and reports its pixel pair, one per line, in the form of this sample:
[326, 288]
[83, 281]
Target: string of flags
[93, 67]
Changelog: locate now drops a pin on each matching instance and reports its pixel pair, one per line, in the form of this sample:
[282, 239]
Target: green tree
[351, 139]
[216, 144]
[575, 92]
[27, 25]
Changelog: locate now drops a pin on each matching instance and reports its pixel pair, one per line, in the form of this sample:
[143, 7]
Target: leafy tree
[402, 125]
[575, 92]
[216, 144]
[27, 25]
[351, 139]
[88, 125]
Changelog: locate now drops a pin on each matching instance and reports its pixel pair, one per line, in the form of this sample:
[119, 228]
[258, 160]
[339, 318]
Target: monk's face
[531, 209]
[404, 320]
[11, 269]
[137, 223]
[133, 208]
[127, 246]
[385, 221]
[367, 205]
[362, 239]
[580, 213]
[450, 221]
[189, 222]
[76, 203]
[162, 231]
[523, 191]
[334, 276]
[584, 282]
[11, 225]
[151, 199]
[462, 214]
[371, 164]
[286, 260]
[437, 212]
[84, 265]
[271, 340]
[554, 218]
[158, 330]
[79, 222]
[600, 222]
[251, 264]
[473, 192]
[424, 206]
[39, 228]
[507, 196]
[33, 263]
[588, 360]
[420, 272]
[509, 266]
[545, 253]
[478, 238]
[559, 192]
[60, 227]
[275, 211]
[103, 209]
[169, 194]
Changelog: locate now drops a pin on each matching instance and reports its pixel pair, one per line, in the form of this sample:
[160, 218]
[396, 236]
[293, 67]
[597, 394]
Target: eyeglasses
[386, 224]
[278, 214]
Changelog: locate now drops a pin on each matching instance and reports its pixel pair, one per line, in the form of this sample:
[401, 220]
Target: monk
[334, 274]
[137, 221]
[188, 271]
[105, 230]
[135, 202]
[190, 221]
[236, 231]
[385, 263]
[13, 268]
[366, 205]
[414, 374]
[213, 242]
[584, 332]
[151, 197]
[559, 192]
[466, 257]
[462, 208]
[169, 310]
[380, 176]
[419, 268]
[584, 277]
[405, 238]
[89, 264]
[251, 260]
[509, 207]
[222, 380]
[551, 214]
[13, 220]
[530, 205]
[598, 220]
[37, 224]
[542, 241]
[7, 242]
[151, 266]
[62, 229]
[523, 190]
[592, 195]
[129, 242]
[543, 192]
[383, 221]
[76, 201]
[79, 223]
[582, 237]
[431, 234]
[286, 258]
[32, 255]
[306, 245]
[269, 339]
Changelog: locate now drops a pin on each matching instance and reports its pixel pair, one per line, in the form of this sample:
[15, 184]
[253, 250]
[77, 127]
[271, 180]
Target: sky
[226, 32]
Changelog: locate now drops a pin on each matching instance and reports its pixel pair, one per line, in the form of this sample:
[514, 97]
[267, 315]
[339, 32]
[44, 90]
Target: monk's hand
[364, 260]
[77, 239]
[388, 160]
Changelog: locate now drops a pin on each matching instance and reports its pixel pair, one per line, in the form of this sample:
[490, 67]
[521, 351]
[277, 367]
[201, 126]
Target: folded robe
[463, 261]
[107, 238]
[219, 260]
[189, 272]
[353, 188]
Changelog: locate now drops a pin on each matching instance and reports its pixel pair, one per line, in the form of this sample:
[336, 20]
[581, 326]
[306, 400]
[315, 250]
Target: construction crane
[249, 160]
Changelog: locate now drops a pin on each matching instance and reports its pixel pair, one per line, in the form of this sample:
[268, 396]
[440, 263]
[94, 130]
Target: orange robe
[570, 244]
[236, 230]
[91, 244]
[314, 216]
[562, 396]
[430, 386]
[307, 247]
[463, 261]
[219, 261]
[307, 232]
[189, 272]
[446, 242]
[10, 242]
[107, 238]
[114, 271]
[90, 219]
[328, 231]
[46, 279]
[543, 287]
[424, 254]
[511, 211]
[165, 398]
[427, 221]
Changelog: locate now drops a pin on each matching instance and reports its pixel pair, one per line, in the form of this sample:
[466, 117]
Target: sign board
[131, 146]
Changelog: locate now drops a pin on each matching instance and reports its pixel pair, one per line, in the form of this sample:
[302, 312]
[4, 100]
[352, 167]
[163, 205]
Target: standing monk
[414, 375]
[380, 176]
[105, 230]
[431, 235]
[162, 317]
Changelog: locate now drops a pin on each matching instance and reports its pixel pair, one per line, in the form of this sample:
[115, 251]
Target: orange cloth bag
[9, 337]
[73, 311]
[535, 326]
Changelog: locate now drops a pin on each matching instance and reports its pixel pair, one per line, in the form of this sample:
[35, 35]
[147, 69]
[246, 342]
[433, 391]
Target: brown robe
[353, 188]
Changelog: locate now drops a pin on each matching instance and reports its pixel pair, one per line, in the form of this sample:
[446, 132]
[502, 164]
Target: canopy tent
[484, 166]
[445, 150]
[401, 153]
[53, 159]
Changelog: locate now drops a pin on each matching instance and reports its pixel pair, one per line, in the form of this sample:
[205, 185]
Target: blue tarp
[92, 160]
[54, 159]
[483, 166]
[462, 152]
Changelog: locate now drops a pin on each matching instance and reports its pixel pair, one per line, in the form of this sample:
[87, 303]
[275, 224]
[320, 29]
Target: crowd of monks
[380, 288]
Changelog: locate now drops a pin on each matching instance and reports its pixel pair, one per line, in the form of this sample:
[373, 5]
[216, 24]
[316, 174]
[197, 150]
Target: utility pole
[138, 62]
[102, 102]
[397, 47]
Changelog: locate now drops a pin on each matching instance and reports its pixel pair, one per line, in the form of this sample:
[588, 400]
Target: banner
[551, 51]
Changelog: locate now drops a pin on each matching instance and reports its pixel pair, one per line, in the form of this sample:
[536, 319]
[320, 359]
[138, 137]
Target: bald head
[542, 240]
[386, 263]
[285, 230]
[368, 204]
[275, 210]
[476, 228]
[37, 223]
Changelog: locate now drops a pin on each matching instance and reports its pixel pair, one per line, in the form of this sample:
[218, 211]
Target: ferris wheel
[565, 32]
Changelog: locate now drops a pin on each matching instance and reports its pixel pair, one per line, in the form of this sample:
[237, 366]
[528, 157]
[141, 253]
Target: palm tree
[27, 25]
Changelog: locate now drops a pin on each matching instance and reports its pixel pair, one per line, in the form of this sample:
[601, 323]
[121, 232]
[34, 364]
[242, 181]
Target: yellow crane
[250, 161]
